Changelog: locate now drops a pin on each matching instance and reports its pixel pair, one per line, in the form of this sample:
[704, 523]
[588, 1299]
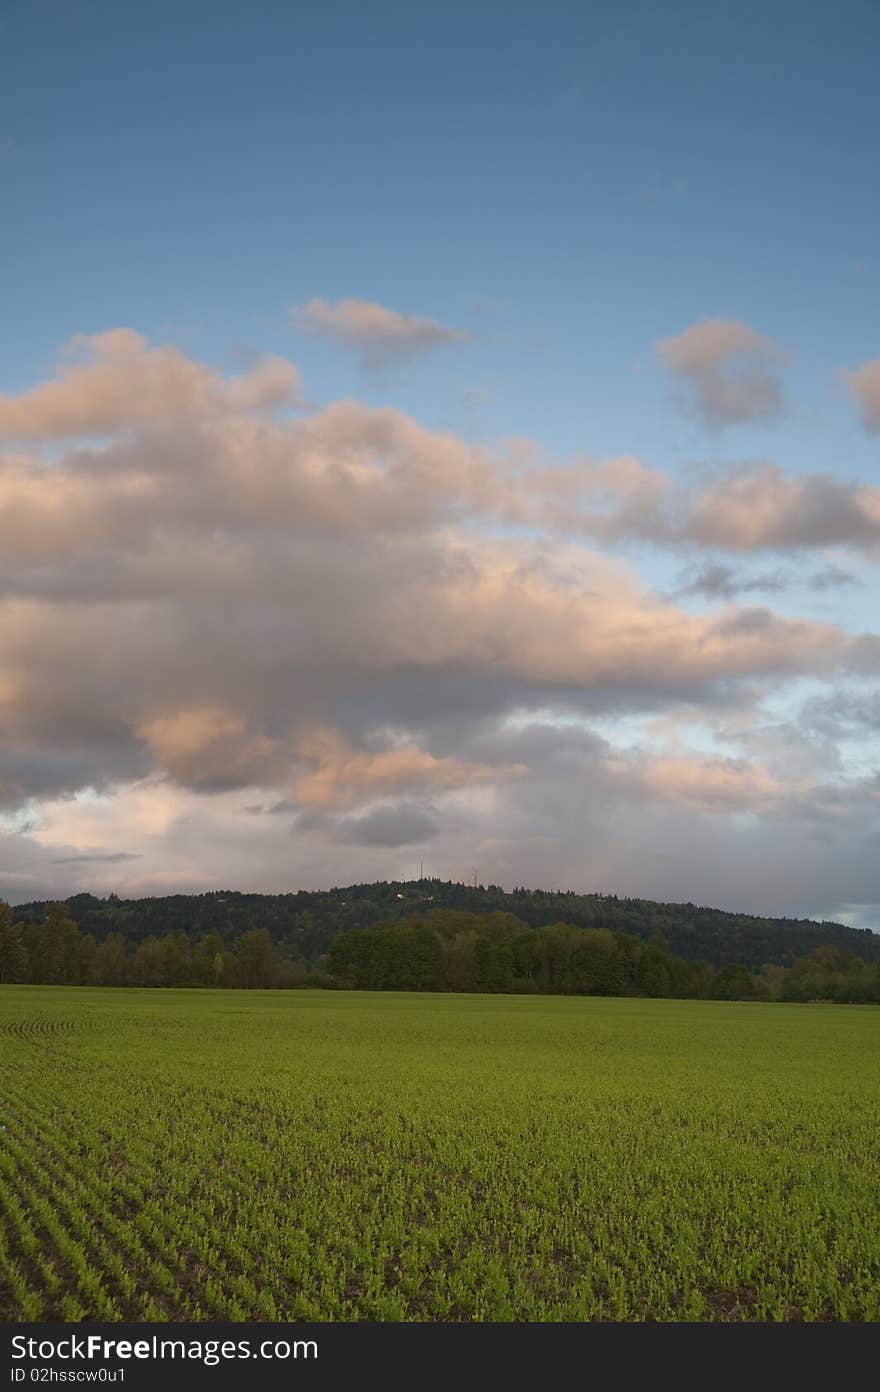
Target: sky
[444, 436]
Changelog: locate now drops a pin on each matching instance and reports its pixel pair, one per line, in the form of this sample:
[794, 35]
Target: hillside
[304, 924]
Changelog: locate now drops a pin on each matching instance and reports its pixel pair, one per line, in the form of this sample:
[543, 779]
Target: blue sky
[603, 174]
[567, 186]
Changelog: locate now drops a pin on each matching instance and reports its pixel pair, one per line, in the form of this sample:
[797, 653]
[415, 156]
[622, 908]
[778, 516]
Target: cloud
[588, 817]
[864, 384]
[843, 713]
[381, 335]
[388, 638]
[89, 857]
[760, 507]
[336, 775]
[728, 369]
[299, 634]
[208, 748]
[715, 581]
[710, 784]
[199, 598]
[355, 471]
[111, 380]
[751, 507]
[721, 582]
[832, 578]
[394, 824]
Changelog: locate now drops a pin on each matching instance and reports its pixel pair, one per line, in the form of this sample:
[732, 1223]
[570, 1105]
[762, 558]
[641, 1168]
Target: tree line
[53, 951]
[445, 950]
[304, 924]
[438, 950]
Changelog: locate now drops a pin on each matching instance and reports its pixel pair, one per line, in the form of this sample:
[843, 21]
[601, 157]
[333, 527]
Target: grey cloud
[730, 371]
[270, 809]
[749, 508]
[617, 831]
[211, 586]
[832, 578]
[842, 712]
[397, 824]
[864, 384]
[106, 858]
[212, 507]
[68, 762]
[381, 335]
[759, 506]
[863, 655]
[584, 820]
[542, 744]
[716, 581]
[354, 625]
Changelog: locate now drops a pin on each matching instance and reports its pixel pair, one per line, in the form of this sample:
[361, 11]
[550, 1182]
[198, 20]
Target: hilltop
[304, 924]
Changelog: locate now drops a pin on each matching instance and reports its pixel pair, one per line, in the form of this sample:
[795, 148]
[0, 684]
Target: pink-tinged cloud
[335, 775]
[115, 380]
[710, 784]
[381, 335]
[759, 507]
[864, 384]
[337, 620]
[729, 371]
[209, 748]
[584, 819]
[191, 450]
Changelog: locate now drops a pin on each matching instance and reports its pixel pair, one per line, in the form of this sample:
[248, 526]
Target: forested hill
[304, 924]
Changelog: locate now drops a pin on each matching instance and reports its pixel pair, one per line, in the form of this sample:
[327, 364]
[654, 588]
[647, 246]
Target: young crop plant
[260, 1155]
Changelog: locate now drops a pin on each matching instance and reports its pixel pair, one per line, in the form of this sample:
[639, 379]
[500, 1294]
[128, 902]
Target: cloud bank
[238, 645]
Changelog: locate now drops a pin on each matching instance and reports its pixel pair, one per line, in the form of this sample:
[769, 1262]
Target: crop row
[430, 1159]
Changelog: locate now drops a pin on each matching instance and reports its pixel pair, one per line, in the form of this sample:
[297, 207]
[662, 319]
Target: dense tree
[87, 950]
[460, 970]
[148, 965]
[176, 959]
[303, 925]
[14, 964]
[733, 982]
[654, 974]
[206, 970]
[109, 966]
[255, 959]
[53, 947]
[428, 949]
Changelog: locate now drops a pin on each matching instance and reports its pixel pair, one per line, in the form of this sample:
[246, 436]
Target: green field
[342, 1156]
